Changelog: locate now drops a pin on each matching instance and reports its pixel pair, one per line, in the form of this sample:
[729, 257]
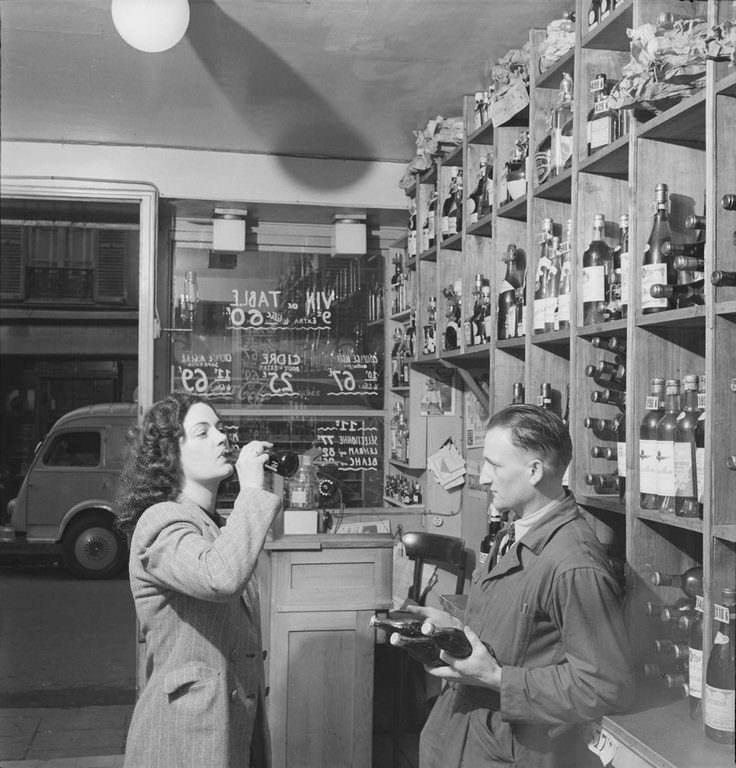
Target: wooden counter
[323, 592]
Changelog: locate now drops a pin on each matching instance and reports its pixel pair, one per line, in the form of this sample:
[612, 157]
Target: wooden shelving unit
[690, 148]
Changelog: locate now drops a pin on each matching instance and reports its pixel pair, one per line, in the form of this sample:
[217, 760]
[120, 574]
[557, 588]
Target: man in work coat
[550, 650]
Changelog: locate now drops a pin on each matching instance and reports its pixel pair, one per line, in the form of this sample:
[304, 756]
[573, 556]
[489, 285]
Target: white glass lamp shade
[151, 26]
[349, 236]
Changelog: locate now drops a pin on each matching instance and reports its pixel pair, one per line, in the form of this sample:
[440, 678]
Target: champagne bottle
[695, 661]
[657, 267]
[680, 296]
[689, 263]
[720, 697]
[648, 493]
[666, 426]
[686, 476]
[540, 285]
[695, 250]
[689, 581]
[721, 278]
[597, 265]
[652, 671]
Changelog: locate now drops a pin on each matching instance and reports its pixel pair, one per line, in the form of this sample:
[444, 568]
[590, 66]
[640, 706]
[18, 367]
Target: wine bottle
[613, 344]
[517, 396]
[689, 263]
[594, 13]
[721, 278]
[657, 267]
[540, 284]
[672, 613]
[621, 456]
[562, 122]
[477, 198]
[610, 375]
[603, 452]
[695, 661]
[456, 215]
[604, 429]
[605, 484]
[411, 240]
[653, 671]
[669, 649]
[552, 288]
[689, 581]
[563, 293]
[720, 697]
[728, 202]
[686, 479]
[448, 207]
[597, 265]
[695, 250]
[679, 296]
[609, 397]
[648, 494]
[508, 320]
[700, 446]
[544, 399]
[666, 426]
[431, 238]
[621, 261]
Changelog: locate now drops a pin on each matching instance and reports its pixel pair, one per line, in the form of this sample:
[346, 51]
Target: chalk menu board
[288, 333]
[349, 450]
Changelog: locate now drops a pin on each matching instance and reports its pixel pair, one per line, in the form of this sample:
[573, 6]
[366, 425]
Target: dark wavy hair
[152, 469]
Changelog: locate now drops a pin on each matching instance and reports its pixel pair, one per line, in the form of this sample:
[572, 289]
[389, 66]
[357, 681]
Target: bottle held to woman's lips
[284, 463]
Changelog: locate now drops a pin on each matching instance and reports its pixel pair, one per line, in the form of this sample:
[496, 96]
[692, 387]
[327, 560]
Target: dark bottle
[721, 278]
[544, 399]
[613, 344]
[609, 397]
[685, 458]
[514, 280]
[660, 669]
[621, 261]
[517, 393]
[540, 284]
[603, 452]
[431, 221]
[700, 446]
[673, 613]
[657, 266]
[604, 429]
[666, 426]
[696, 249]
[680, 296]
[689, 263]
[411, 240]
[456, 216]
[695, 661]
[670, 650]
[648, 492]
[605, 484]
[563, 293]
[728, 202]
[594, 13]
[608, 374]
[284, 463]
[597, 266]
[495, 524]
[718, 714]
[448, 206]
[477, 199]
[689, 581]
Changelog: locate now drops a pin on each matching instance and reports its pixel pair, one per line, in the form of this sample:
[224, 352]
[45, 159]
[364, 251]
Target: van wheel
[92, 548]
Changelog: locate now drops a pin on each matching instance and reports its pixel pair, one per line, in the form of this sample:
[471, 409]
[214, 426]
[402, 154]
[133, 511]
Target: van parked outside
[65, 501]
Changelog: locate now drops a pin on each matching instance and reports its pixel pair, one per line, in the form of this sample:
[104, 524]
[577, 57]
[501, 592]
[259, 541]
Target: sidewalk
[64, 737]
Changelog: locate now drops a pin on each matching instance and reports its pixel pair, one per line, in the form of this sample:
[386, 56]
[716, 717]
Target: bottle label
[665, 458]
[600, 128]
[444, 225]
[621, 459]
[648, 466]
[683, 468]
[594, 284]
[411, 244]
[719, 708]
[540, 309]
[700, 471]
[695, 673]
[652, 274]
[563, 308]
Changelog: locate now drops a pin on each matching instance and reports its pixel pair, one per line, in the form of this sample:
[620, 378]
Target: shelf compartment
[452, 243]
[454, 157]
[481, 228]
[550, 78]
[694, 524]
[608, 503]
[683, 124]
[690, 317]
[482, 135]
[726, 86]
[516, 209]
[610, 35]
[558, 188]
[612, 161]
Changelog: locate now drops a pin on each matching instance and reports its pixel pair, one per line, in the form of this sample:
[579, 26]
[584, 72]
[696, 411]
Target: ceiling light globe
[151, 26]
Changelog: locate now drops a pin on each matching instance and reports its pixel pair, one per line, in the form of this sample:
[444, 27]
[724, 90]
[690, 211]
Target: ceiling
[321, 78]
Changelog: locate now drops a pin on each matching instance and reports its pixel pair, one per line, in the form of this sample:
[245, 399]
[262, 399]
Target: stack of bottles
[671, 447]
[611, 429]
[679, 660]
[401, 490]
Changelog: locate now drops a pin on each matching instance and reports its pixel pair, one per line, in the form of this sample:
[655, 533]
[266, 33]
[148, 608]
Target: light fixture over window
[228, 229]
[349, 234]
[151, 26]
